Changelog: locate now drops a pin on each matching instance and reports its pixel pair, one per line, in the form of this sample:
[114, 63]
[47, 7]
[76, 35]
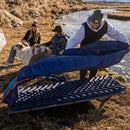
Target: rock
[34, 14]
[8, 20]
[17, 13]
[3, 4]
[85, 8]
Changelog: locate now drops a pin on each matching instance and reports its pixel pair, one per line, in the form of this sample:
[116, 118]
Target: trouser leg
[93, 73]
[83, 74]
[11, 55]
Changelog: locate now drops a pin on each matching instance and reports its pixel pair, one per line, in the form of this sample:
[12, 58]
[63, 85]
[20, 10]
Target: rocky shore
[13, 13]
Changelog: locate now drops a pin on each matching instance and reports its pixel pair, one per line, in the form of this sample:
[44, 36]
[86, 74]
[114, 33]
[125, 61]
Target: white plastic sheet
[2, 41]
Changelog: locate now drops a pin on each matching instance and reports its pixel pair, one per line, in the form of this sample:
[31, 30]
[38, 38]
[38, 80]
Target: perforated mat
[63, 93]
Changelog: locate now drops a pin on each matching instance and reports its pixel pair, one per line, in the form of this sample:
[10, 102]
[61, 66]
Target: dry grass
[116, 15]
[102, 5]
[115, 115]
[119, 15]
[124, 9]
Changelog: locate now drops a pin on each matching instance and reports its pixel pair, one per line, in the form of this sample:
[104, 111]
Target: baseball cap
[58, 28]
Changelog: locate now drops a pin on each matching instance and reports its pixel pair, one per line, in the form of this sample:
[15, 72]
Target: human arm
[58, 44]
[47, 43]
[25, 38]
[77, 39]
[49, 51]
[113, 33]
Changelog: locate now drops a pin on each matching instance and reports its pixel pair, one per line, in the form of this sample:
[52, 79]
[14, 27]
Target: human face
[34, 28]
[94, 25]
[57, 33]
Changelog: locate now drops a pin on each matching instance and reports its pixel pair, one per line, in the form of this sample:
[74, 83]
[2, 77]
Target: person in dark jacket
[31, 38]
[58, 41]
[93, 30]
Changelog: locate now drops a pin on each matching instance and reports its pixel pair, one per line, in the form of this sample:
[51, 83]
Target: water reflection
[73, 22]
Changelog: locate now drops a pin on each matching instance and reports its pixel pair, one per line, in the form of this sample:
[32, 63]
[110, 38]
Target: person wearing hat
[31, 38]
[93, 30]
[58, 41]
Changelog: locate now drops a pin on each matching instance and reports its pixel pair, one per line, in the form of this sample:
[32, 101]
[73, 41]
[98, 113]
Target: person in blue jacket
[93, 30]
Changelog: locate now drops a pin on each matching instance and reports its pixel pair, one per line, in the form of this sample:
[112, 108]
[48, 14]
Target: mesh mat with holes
[64, 93]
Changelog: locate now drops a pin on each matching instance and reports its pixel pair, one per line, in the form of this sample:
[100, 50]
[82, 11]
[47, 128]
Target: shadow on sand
[52, 118]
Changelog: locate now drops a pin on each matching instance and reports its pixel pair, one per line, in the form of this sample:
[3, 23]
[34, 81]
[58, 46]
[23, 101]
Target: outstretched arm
[25, 38]
[77, 39]
[113, 33]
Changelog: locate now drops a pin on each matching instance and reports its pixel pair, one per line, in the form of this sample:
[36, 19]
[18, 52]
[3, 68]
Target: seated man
[58, 41]
[55, 45]
[31, 37]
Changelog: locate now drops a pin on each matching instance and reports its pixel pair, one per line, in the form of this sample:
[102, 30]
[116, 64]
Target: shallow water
[73, 22]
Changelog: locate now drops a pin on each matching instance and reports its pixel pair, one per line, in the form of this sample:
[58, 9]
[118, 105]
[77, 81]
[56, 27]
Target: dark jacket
[32, 39]
[92, 36]
[57, 43]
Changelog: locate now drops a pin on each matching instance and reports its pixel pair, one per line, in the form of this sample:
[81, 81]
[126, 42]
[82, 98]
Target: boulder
[34, 14]
[8, 20]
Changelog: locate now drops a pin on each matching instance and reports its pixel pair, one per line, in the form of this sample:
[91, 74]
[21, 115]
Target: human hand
[49, 51]
[23, 42]
[28, 43]
[61, 52]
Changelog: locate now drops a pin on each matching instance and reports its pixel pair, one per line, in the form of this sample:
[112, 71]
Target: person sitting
[31, 38]
[58, 41]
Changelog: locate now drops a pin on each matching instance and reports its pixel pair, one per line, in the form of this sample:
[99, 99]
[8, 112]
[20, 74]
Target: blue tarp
[100, 54]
